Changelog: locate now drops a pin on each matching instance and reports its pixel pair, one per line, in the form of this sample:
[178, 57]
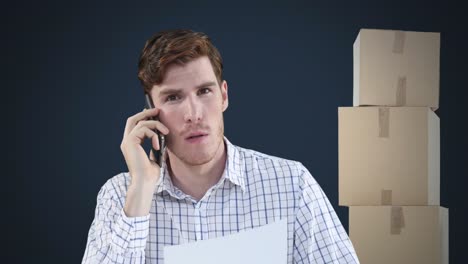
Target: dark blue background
[69, 84]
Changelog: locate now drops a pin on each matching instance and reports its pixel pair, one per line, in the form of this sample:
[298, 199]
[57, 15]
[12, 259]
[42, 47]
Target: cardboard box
[396, 68]
[403, 235]
[388, 156]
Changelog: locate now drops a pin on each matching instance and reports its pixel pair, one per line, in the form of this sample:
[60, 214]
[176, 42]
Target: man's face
[192, 105]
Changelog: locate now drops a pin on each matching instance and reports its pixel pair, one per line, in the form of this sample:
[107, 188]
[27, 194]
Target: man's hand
[145, 172]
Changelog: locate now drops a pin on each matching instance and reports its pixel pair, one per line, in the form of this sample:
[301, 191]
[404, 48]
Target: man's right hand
[145, 172]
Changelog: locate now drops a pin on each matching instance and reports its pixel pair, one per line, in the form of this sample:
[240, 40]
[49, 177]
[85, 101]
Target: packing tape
[397, 221]
[401, 91]
[384, 120]
[399, 42]
[386, 197]
[398, 48]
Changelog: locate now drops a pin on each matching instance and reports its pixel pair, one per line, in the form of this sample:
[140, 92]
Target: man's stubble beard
[189, 158]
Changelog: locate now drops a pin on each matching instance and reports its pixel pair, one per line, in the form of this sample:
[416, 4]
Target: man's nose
[193, 110]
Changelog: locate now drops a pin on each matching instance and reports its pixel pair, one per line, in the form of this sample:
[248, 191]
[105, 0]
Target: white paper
[265, 244]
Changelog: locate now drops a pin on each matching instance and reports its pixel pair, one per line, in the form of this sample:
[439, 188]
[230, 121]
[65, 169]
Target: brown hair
[175, 46]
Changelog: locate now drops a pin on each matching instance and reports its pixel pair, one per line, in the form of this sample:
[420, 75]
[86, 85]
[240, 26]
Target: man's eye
[171, 98]
[204, 90]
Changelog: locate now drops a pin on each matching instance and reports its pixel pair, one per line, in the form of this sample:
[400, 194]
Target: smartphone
[158, 154]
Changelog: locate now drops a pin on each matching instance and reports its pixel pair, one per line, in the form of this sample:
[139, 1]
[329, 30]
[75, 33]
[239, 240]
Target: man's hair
[175, 47]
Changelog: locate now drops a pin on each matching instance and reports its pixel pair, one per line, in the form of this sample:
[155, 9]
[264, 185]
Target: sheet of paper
[265, 244]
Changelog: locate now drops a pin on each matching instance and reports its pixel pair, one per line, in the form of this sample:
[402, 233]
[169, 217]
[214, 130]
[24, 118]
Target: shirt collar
[232, 172]
[234, 165]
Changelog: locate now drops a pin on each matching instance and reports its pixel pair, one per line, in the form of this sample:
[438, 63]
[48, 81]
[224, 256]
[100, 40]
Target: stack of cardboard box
[389, 150]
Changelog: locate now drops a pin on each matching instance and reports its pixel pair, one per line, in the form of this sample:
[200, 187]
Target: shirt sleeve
[113, 237]
[319, 236]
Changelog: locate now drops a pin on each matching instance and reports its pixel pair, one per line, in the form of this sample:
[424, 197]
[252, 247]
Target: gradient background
[71, 83]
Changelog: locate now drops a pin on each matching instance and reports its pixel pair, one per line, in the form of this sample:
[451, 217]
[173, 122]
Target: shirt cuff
[130, 233]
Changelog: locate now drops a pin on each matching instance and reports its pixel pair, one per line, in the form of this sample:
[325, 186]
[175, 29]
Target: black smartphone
[158, 154]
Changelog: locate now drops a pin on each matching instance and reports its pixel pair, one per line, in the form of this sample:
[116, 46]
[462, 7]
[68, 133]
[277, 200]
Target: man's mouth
[196, 137]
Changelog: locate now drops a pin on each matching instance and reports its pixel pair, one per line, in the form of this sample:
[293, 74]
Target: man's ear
[224, 94]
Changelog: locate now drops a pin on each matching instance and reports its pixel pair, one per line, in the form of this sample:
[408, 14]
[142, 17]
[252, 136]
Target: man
[206, 187]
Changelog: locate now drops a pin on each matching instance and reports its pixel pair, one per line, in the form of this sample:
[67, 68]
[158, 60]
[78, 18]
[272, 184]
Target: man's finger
[145, 114]
[153, 125]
